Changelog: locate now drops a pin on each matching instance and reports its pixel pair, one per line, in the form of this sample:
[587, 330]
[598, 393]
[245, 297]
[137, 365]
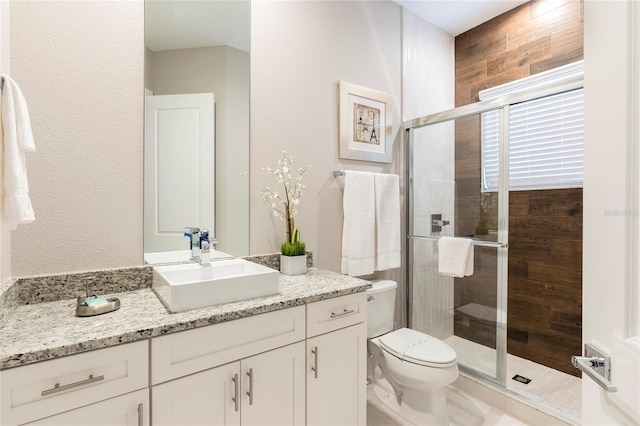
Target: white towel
[455, 256]
[388, 240]
[358, 232]
[16, 140]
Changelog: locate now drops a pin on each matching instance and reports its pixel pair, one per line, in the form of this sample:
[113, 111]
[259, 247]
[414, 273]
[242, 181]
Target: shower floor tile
[464, 410]
[548, 387]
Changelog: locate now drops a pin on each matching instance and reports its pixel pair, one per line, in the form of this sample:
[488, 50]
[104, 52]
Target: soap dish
[85, 309]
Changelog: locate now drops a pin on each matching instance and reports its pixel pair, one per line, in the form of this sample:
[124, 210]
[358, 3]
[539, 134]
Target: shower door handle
[595, 365]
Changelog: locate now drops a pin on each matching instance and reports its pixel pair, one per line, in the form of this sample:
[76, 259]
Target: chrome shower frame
[502, 104]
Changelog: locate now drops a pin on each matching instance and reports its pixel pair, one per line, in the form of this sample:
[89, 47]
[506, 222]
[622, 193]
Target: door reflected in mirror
[196, 126]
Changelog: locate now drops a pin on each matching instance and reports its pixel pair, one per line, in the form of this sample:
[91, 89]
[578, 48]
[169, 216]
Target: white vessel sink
[192, 286]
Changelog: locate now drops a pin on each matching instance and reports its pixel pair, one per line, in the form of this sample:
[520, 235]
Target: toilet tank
[381, 304]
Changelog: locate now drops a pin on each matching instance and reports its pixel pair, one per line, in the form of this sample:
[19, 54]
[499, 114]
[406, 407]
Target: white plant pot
[293, 265]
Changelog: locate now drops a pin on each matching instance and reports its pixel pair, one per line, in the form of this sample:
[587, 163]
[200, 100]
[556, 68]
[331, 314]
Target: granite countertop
[42, 331]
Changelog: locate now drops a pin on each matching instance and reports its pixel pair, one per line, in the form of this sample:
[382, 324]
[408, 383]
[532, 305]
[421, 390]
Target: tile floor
[548, 387]
[472, 403]
[464, 410]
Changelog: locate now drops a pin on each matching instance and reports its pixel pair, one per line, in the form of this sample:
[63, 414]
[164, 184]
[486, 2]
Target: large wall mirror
[196, 125]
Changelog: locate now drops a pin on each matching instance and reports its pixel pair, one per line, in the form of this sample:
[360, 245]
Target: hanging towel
[455, 256]
[16, 140]
[358, 232]
[388, 240]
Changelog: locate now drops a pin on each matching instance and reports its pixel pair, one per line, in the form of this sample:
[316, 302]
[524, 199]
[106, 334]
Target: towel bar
[479, 243]
[337, 173]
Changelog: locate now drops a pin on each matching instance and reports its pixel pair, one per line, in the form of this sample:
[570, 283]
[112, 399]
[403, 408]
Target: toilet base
[419, 408]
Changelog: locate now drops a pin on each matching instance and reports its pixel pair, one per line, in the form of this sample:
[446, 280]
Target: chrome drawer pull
[57, 388]
[250, 392]
[315, 361]
[140, 415]
[344, 312]
[235, 399]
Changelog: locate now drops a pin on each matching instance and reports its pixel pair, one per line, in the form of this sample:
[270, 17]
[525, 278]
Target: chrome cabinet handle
[235, 391]
[344, 312]
[588, 365]
[250, 392]
[57, 388]
[140, 415]
[315, 361]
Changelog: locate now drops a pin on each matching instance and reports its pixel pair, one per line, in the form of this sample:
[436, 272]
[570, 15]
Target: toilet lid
[418, 348]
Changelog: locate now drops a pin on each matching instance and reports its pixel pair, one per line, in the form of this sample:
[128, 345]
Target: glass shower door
[448, 196]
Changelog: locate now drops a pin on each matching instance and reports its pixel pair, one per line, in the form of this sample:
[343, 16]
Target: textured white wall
[80, 66]
[81, 70]
[5, 236]
[299, 52]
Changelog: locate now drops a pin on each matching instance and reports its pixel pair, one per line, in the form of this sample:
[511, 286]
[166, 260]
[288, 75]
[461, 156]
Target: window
[545, 143]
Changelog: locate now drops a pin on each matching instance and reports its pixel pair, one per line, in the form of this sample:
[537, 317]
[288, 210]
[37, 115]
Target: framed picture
[365, 124]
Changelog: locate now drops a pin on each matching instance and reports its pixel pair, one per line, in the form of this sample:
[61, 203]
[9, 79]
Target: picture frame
[365, 124]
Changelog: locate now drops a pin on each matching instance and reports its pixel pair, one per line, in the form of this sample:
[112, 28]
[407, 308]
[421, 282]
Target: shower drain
[521, 379]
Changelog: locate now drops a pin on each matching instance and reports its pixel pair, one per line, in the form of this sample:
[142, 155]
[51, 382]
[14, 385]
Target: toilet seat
[418, 348]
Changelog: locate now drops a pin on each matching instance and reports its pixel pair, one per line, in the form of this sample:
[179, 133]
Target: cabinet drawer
[50, 387]
[187, 352]
[131, 409]
[332, 314]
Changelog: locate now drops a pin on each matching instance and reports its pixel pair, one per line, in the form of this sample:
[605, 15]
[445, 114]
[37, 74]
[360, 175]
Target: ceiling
[458, 16]
[179, 24]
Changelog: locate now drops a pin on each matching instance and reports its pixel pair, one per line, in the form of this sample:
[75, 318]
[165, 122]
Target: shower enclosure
[468, 313]
[459, 186]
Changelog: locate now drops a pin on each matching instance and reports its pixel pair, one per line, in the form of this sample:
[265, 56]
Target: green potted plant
[293, 258]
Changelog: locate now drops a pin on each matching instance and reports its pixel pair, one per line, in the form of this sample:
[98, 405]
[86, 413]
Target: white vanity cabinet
[104, 386]
[294, 366]
[265, 389]
[337, 361]
[248, 371]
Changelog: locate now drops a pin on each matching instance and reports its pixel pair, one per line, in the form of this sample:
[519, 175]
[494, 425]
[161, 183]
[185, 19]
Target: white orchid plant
[284, 205]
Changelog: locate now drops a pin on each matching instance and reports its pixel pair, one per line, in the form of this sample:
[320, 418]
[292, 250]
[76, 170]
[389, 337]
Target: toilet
[409, 369]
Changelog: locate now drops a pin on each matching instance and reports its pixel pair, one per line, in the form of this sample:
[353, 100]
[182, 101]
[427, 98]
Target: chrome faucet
[194, 238]
[200, 244]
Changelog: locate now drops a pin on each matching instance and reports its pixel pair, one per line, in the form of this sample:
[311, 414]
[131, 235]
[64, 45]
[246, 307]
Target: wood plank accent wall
[545, 254]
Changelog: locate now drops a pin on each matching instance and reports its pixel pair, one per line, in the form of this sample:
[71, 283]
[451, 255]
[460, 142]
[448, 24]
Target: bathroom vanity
[298, 357]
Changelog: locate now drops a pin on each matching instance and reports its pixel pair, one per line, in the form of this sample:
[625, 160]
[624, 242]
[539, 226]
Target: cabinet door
[336, 377]
[131, 409]
[273, 387]
[206, 398]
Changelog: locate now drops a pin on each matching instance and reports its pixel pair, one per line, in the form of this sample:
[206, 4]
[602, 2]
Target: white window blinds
[545, 143]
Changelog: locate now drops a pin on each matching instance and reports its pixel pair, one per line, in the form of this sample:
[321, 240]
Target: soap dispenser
[205, 247]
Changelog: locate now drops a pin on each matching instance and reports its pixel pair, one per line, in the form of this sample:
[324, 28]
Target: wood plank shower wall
[545, 254]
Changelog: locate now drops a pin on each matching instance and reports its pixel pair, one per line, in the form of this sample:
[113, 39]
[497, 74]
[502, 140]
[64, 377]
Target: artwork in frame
[365, 124]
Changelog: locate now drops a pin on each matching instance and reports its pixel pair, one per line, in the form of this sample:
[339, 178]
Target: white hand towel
[388, 240]
[16, 139]
[358, 232]
[455, 256]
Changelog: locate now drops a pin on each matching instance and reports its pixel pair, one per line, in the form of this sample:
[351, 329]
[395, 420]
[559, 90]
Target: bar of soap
[97, 301]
